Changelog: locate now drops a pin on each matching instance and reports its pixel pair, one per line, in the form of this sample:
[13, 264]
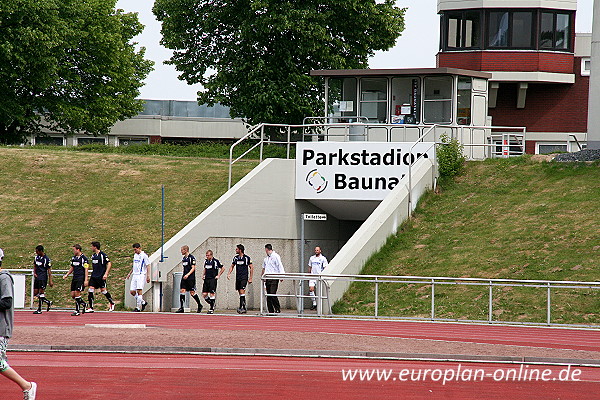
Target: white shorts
[137, 282]
[312, 284]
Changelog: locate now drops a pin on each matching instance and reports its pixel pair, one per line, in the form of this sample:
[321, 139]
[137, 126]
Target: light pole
[593, 137]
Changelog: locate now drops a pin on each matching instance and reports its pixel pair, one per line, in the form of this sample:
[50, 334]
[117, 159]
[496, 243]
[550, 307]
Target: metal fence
[29, 273]
[480, 142]
[325, 281]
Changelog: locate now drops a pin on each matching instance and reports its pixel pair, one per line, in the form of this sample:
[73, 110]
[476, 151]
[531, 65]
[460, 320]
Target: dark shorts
[77, 285]
[188, 284]
[209, 286]
[240, 284]
[97, 283]
[40, 284]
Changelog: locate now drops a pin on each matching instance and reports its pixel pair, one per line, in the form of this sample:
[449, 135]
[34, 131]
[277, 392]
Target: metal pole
[548, 305]
[162, 235]
[376, 298]
[432, 300]
[301, 303]
[262, 141]
[593, 123]
[490, 304]
[289, 136]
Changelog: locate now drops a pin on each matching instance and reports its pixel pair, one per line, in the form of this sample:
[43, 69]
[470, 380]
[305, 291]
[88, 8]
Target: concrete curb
[305, 353]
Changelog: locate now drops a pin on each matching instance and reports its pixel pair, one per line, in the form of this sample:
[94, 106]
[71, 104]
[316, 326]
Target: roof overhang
[399, 72]
[532, 77]
[443, 5]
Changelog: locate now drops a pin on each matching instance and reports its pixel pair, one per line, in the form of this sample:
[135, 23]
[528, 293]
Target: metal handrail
[325, 281]
[423, 130]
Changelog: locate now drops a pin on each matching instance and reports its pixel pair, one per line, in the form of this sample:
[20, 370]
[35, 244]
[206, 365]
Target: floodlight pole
[593, 136]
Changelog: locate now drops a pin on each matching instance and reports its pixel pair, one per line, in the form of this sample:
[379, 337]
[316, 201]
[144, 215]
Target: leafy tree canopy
[67, 65]
[255, 55]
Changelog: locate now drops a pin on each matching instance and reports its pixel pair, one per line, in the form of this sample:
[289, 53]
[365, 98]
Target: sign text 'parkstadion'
[354, 170]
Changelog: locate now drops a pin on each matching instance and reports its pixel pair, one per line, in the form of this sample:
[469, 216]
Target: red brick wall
[518, 61]
[155, 139]
[548, 107]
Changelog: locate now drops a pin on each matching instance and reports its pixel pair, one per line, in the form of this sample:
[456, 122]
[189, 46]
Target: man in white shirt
[272, 265]
[140, 274]
[317, 264]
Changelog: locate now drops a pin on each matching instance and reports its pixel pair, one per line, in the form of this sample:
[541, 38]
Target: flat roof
[399, 72]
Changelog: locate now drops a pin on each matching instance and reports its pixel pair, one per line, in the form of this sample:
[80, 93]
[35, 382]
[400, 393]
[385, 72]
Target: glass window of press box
[437, 102]
[342, 99]
[523, 29]
[406, 100]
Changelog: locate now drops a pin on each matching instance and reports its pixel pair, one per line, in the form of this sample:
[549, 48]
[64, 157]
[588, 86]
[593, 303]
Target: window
[406, 100]
[132, 141]
[510, 29]
[50, 140]
[438, 100]
[373, 99]
[462, 30]
[555, 31]
[464, 101]
[549, 148]
[90, 140]
[341, 97]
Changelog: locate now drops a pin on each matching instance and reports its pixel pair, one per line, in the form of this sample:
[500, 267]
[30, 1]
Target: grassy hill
[58, 198]
[514, 219]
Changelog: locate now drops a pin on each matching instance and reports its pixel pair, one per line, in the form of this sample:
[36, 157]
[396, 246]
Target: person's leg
[269, 287]
[91, 291]
[7, 371]
[311, 290]
[276, 305]
[196, 299]
[142, 303]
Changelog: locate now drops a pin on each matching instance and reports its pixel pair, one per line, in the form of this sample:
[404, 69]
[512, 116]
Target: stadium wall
[380, 225]
[261, 208]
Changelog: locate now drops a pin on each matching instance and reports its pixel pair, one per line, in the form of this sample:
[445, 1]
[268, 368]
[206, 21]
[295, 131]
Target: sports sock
[77, 303]
[39, 303]
[182, 299]
[212, 302]
[242, 301]
[137, 300]
[197, 298]
[207, 299]
[91, 299]
[110, 300]
[44, 299]
[313, 297]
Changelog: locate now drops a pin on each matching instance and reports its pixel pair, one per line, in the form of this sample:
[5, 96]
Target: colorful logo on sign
[316, 181]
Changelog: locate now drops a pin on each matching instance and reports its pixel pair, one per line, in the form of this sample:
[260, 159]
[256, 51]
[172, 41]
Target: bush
[451, 160]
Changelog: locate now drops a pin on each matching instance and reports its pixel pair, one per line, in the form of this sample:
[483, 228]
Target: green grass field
[58, 198]
[514, 219]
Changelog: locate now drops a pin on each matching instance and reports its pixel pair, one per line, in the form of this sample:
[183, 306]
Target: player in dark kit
[212, 271]
[242, 263]
[188, 281]
[79, 269]
[42, 273]
[101, 266]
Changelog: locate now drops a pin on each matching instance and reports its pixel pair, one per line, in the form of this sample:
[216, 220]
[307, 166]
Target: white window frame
[136, 138]
[86, 137]
[64, 139]
[537, 146]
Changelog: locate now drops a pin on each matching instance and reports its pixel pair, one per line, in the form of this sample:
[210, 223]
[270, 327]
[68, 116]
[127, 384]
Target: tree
[67, 65]
[255, 55]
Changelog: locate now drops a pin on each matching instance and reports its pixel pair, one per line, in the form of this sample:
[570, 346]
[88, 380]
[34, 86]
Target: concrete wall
[374, 232]
[262, 207]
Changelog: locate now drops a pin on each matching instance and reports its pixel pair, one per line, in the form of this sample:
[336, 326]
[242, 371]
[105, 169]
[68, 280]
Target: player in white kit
[140, 275]
[317, 264]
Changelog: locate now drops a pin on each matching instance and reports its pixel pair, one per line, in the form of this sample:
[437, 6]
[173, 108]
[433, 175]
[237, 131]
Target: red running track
[69, 376]
[556, 338]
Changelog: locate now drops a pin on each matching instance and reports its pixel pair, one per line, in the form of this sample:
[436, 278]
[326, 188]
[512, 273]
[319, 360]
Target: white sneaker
[30, 394]
[89, 310]
[111, 307]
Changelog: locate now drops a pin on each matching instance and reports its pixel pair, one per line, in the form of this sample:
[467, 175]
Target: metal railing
[29, 273]
[494, 141]
[324, 282]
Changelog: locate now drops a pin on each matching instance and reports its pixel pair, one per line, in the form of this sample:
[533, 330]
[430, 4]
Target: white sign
[354, 170]
[315, 217]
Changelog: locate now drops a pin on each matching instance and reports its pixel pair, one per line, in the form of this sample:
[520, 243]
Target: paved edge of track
[213, 351]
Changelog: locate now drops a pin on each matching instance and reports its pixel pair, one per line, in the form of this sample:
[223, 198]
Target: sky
[416, 48]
